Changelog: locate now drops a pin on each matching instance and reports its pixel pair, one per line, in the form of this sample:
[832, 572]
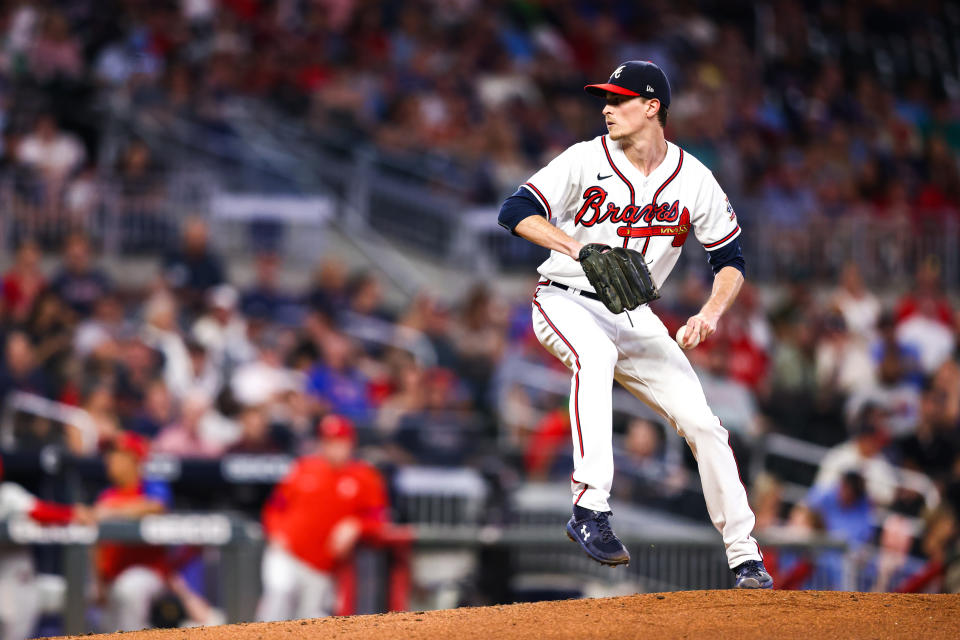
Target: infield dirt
[697, 615]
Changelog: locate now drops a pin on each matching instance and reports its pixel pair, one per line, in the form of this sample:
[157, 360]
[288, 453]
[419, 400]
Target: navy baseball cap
[635, 78]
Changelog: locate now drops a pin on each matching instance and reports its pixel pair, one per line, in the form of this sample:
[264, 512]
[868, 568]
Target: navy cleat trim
[752, 575]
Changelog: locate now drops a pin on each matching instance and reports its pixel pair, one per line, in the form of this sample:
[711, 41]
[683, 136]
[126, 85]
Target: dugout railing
[677, 562]
[238, 542]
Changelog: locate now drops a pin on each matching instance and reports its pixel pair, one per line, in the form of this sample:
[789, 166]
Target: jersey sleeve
[556, 185]
[159, 491]
[714, 221]
[15, 500]
[372, 503]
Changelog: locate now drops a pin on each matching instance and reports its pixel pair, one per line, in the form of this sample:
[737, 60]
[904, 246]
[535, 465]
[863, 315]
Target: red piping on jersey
[737, 464]
[545, 203]
[603, 141]
[576, 375]
[657, 195]
[727, 237]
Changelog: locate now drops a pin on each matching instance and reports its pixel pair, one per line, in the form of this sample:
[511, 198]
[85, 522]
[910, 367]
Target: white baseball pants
[635, 349]
[129, 599]
[292, 589]
[19, 606]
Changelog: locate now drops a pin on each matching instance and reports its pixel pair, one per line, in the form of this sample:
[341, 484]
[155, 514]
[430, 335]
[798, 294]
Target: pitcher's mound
[696, 615]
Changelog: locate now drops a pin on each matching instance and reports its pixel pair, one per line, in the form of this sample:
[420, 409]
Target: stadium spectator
[265, 380]
[144, 222]
[933, 446]
[328, 289]
[887, 341]
[893, 392]
[100, 334]
[102, 420]
[858, 306]
[444, 432]
[222, 330]
[156, 413]
[56, 53]
[257, 434]
[479, 339]
[327, 503]
[845, 509]
[161, 332]
[19, 370]
[191, 270]
[646, 473]
[22, 283]
[925, 319]
[78, 282]
[129, 576]
[266, 299]
[337, 382]
[862, 454]
[51, 152]
[843, 362]
[185, 437]
[732, 401]
[49, 328]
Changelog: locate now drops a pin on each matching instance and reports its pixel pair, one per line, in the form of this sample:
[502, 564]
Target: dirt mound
[689, 614]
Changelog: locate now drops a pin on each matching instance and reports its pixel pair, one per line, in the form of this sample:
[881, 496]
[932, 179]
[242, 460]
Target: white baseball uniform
[593, 193]
[19, 596]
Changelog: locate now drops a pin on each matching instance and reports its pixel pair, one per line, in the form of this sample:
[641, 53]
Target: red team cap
[132, 443]
[635, 78]
[334, 426]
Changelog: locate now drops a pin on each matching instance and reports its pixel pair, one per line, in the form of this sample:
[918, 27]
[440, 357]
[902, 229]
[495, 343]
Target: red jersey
[114, 559]
[314, 497]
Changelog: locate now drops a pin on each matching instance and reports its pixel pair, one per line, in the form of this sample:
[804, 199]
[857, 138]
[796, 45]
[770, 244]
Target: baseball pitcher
[615, 212]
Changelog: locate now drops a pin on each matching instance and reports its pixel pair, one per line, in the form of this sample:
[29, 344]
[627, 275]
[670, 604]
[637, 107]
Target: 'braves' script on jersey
[592, 192]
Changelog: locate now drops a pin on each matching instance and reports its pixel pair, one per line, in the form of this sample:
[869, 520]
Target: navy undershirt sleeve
[520, 205]
[729, 255]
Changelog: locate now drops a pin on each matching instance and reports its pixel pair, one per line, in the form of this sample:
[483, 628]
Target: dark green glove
[619, 276]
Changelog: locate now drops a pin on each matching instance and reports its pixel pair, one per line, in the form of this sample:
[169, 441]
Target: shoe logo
[584, 533]
[600, 177]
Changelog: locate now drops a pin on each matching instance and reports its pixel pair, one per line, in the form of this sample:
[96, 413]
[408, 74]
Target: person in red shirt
[130, 576]
[313, 520]
[19, 595]
[22, 283]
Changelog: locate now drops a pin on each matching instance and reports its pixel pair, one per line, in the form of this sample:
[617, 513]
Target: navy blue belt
[585, 294]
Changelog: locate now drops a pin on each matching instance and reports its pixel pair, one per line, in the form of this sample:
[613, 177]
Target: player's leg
[130, 597]
[317, 593]
[279, 573]
[570, 332]
[19, 607]
[654, 368]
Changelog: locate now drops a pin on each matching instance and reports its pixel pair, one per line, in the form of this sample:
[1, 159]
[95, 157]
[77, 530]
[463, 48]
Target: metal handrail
[71, 417]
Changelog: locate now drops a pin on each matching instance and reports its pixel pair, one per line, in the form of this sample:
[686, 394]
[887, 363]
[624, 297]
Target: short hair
[662, 115]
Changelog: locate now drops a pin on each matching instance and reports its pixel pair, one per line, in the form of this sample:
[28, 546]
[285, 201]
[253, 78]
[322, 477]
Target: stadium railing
[239, 542]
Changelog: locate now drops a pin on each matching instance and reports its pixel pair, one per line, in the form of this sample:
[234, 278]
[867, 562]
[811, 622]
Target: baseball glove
[619, 276]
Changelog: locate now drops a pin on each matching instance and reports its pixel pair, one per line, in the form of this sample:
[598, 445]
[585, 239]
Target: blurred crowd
[803, 109]
[821, 117]
[201, 368]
